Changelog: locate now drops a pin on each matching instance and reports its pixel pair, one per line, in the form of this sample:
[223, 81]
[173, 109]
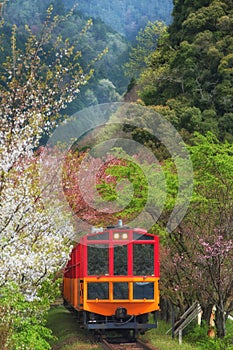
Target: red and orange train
[112, 279]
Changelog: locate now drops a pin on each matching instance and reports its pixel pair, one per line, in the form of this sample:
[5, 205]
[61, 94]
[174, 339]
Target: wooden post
[180, 336]
[1, 9]
[173, 322]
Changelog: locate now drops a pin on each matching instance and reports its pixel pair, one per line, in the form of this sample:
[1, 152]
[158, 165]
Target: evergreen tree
[192, 66]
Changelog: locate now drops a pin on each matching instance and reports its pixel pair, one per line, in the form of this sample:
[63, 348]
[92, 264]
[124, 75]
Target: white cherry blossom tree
[35, 84]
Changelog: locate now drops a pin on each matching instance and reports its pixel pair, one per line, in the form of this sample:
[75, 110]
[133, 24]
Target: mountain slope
[126, 16]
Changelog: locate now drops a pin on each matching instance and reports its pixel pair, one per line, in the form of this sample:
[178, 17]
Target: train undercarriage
[120, 322]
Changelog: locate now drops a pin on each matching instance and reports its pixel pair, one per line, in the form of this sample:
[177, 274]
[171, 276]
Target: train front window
[143, 259]
[98, 291]
[120, 290]
[121, 260]
[97, 257]
[143, 290]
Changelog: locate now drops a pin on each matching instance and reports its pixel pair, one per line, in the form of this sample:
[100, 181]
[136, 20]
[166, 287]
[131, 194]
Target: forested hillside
[108, 81]
[111, 24]
[189, 76]
[126, 16]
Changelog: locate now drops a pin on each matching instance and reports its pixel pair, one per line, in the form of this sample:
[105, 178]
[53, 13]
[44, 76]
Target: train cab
[113, 278]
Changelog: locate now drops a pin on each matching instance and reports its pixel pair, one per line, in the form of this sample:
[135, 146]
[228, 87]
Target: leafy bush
[23, 319]
[198, 335]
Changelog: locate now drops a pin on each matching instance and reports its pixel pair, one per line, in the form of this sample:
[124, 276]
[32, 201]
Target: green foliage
[193, 66]
[146, 42]
[133, 179]
[89, 38]
[126, 16]
[201, 248]
[198, 335]
[23, 320]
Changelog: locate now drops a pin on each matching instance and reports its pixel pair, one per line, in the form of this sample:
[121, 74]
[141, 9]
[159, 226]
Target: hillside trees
[114, 186]
[126, 16]
[188, 80]
[200, 250]
[33, 237]
[99, 37]
[146, 42]
[192, 66]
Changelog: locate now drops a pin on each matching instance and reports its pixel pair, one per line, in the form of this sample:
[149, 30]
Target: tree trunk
[220, 322]
[207, 310]
[166, 309]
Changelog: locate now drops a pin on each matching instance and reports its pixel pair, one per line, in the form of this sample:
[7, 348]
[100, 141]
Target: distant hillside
[114, 23]
[126, 16]
[108, 82]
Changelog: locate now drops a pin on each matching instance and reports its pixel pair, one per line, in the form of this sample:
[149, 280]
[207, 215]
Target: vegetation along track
[122, 345]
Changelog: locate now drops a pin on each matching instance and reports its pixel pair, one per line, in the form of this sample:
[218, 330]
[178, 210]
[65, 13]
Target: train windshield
[121, 260]
[97, 257]
[143, 259]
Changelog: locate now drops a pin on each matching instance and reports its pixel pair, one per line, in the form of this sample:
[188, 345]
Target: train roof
[119, 226]
[120, 233]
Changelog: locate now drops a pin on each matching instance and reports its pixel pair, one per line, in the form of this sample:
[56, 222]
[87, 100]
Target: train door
[80, 294]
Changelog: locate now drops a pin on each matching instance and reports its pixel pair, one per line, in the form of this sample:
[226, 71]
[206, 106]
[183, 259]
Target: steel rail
[137, 345]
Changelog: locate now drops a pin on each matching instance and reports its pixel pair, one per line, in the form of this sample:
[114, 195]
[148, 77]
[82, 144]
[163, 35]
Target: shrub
[23, 319]
[198, 335]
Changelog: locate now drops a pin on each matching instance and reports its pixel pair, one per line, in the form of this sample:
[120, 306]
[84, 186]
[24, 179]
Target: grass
[69, 336]
[194, 335]
[66, 329]
[163, 341]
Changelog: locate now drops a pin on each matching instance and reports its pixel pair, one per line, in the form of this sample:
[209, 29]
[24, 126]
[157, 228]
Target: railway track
[124, 345]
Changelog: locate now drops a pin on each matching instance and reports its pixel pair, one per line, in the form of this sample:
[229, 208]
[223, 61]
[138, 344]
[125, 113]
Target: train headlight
[119, 235]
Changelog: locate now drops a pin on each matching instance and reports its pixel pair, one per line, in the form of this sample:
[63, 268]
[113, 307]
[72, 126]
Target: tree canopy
[200, 250]
[126, 16]
[190, 72]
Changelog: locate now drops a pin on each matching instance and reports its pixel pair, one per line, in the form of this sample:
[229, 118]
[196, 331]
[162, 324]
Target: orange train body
[112, 279]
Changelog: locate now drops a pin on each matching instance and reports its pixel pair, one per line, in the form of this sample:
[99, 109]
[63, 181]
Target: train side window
[97, 256]
[121, 260]
[143, 259]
